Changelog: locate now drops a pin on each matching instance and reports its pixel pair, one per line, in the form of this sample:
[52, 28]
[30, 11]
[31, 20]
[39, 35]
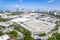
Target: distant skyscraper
[17, 10]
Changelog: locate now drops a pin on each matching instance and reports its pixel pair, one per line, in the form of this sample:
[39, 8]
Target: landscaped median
[42, 34]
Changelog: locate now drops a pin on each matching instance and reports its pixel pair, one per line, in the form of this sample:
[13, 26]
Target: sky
[30, 4]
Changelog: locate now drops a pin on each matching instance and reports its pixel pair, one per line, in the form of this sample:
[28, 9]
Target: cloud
[16, 5]
[51, 1]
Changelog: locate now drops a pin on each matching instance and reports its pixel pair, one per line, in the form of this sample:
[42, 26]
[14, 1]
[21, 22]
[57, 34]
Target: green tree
[55, 36]
[51, 38]
[26, 32]
[1, 33]
[57, 16]
[4, 20]
[28, 38]
[13, 33]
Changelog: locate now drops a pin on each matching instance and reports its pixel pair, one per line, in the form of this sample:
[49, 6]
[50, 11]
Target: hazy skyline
[33, 4]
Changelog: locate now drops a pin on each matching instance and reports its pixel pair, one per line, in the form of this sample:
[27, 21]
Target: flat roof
[4, 37]
[39, 26]
[19, 19]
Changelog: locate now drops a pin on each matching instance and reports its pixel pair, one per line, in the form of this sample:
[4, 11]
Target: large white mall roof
[39, 26]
